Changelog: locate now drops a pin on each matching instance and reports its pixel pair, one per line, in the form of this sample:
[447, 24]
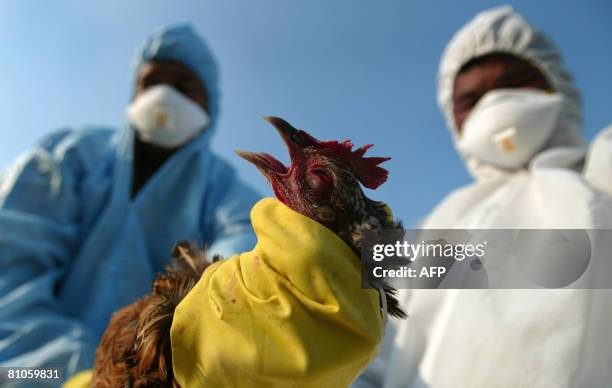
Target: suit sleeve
[227, 226]
[39, 213]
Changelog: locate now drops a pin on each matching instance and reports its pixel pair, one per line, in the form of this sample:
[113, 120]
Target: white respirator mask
[165, 117]
[507, 127]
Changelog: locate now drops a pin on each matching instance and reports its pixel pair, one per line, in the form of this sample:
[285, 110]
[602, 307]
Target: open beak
[286, 132]
[266, 163]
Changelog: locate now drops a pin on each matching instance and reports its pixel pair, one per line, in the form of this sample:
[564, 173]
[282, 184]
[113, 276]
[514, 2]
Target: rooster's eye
[318, 181]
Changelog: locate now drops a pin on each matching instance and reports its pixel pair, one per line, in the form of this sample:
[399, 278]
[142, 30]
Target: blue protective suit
[74, 245]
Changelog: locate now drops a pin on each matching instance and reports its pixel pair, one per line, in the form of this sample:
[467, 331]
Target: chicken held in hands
[322, 183]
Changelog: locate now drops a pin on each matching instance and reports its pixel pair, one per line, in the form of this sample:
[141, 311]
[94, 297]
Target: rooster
[322, 182]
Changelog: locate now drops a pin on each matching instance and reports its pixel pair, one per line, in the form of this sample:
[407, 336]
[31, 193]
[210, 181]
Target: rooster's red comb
[365, 169]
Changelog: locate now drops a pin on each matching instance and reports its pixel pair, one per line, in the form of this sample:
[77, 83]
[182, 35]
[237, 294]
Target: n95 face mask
[507, 127]
[165, 117]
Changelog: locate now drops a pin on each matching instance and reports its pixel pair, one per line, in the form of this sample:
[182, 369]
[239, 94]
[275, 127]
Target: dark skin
[148, 158]
[494, 71]
[174, 74]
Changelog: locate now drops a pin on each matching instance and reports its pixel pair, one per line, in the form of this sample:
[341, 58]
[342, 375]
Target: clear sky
[363, 70]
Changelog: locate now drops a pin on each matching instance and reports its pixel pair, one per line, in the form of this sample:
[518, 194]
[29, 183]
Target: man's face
[490, 72]
[174, 74]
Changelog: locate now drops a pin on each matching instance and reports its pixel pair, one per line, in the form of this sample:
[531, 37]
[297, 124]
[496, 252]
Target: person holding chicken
[88, 217]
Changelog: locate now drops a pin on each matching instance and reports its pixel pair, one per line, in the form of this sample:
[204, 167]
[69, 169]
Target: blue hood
[180, 43]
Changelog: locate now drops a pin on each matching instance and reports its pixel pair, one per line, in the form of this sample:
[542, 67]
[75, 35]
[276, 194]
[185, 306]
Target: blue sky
[340, 69]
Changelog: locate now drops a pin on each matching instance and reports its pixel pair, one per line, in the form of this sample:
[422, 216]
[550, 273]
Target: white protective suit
[509, 338]
[598, 169]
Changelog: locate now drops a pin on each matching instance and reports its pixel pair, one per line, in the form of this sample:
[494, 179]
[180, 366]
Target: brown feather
[135, 349]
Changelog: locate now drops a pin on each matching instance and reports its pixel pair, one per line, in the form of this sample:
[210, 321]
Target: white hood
[502, 30]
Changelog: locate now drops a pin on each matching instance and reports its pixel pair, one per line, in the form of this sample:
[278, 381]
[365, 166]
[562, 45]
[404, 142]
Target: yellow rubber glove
[80, 380]
[290, 313]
